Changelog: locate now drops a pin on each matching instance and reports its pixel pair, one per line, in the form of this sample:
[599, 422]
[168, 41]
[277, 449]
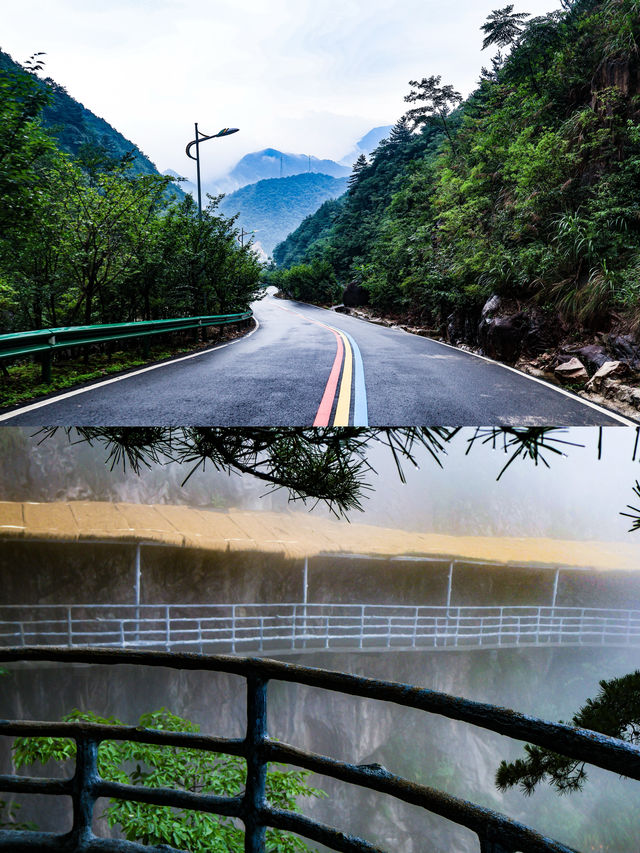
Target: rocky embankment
[603, 367]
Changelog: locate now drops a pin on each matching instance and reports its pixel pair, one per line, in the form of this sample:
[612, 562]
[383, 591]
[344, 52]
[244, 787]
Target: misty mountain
[276, 206]
[366, 145]
[271, 163]
[73, 125]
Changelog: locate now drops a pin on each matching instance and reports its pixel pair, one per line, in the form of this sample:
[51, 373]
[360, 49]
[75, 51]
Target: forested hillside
[275, 206]
[528, 191]
[88, 236]
[74, 126]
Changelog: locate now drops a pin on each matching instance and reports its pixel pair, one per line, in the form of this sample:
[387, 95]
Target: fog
[580, 495]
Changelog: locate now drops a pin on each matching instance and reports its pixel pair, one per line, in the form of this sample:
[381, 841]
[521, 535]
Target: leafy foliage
[322, 465]
[615, 712]
[314, 282]
[178, 768]
[528, 189]
[88, 237]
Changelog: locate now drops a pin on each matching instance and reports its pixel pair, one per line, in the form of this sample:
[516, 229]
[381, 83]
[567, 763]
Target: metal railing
[277, 628]
[44, 342]
[496, 833]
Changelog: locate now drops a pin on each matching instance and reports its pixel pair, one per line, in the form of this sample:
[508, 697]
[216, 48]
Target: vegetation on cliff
[182, 769]
[86, 236]
[527, 190]
[275, 206]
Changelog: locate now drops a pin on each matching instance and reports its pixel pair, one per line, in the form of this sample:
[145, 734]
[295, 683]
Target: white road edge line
[575, 397]
[613, 415]
[33, 406]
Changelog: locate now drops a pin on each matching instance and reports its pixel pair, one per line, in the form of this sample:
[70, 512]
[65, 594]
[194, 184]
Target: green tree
[203, 268]
[503, 27]
[615, 712]
[358, 167]
[181, 769]
[22, 144]
[438, 100]
[314, 282]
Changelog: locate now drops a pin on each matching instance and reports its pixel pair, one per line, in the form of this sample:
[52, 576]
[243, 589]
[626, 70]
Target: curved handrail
[494, 831]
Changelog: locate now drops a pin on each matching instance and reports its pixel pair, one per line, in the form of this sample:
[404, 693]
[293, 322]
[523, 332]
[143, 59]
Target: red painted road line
[324, 412]
[323, 415]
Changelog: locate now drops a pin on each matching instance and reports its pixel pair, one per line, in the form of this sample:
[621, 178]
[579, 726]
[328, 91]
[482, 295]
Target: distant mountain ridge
[276, 206]
[273, 163]
[367, 144]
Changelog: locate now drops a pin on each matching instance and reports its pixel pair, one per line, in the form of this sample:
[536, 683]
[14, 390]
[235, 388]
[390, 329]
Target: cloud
[300, 75]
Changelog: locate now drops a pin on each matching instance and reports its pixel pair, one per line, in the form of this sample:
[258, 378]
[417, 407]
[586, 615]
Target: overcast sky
[304, 76]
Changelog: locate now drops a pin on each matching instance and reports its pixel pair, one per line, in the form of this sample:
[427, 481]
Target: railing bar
[35, 785]
[231, 806]
[476, 818]
[332, 838]
[609, 753]
[15, 842]
[100, 732]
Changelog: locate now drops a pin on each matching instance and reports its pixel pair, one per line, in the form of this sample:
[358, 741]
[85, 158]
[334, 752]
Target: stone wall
[82, 573]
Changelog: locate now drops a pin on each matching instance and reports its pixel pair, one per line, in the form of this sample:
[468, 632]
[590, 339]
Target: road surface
[305, 366]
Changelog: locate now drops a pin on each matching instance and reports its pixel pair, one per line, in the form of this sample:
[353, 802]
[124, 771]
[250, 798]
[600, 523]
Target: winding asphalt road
[306, 366]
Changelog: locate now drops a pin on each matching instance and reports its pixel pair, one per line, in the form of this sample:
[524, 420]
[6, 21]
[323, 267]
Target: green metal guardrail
[43, 342]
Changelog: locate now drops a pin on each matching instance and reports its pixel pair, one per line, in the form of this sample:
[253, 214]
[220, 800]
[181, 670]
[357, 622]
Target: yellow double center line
[343, 407]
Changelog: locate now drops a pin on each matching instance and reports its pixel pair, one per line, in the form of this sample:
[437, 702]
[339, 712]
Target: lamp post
[244, 234]
[200, 137]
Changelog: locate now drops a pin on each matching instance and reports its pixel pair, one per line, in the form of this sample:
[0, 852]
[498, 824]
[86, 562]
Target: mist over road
[306, 366]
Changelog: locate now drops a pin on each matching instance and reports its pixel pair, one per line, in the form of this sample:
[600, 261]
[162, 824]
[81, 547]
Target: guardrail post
[255, 789]
[69, 628]
[45, 365]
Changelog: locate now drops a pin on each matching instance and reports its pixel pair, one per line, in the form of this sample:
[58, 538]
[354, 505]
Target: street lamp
[244, 234]
[200, 137]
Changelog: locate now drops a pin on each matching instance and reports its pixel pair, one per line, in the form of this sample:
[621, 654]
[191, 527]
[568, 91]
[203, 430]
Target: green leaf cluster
[178, 768]
[312, 282]
[615, 712]
[89, 238]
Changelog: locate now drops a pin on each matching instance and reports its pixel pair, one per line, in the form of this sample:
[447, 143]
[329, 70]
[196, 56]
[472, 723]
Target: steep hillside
[312, 237]
[74, 126]
[275, 207]
[510, 221]
[343, 234]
